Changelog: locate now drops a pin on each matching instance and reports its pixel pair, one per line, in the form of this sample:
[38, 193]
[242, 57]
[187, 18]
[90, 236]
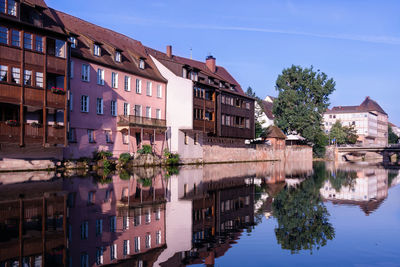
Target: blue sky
[356, 42]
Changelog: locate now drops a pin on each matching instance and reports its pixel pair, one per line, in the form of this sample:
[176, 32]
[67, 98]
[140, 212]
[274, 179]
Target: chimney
[210, 63]
[169, 51]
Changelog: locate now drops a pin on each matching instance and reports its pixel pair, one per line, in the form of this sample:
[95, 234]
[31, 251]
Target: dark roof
[131, 50]
[274, 132]
[267, 108]
[176, 63]
[40, 3]
[366, 106]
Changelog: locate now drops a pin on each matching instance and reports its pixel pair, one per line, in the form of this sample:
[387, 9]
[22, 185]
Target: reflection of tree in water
[392, 174]
[302, 217]
[342, 178]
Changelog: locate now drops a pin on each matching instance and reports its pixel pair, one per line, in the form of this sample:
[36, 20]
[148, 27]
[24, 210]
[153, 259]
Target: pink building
[117, 97]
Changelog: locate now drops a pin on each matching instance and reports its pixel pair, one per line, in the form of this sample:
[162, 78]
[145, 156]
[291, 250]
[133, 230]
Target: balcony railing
[141, 121]
[9, 134]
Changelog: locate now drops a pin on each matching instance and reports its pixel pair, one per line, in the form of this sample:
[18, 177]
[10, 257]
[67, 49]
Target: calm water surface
[264, 214]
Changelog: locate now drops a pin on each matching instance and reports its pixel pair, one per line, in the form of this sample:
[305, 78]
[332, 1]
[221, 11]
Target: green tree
[303, 98]
[258, 113]
[343, 134]
[251, 93]
[393, 138]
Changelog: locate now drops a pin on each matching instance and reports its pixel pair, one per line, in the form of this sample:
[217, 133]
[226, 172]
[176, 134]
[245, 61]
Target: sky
[355, 42]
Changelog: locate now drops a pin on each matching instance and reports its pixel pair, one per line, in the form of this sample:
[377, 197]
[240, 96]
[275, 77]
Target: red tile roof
[131, 50]
[367, 105]
[176, 63]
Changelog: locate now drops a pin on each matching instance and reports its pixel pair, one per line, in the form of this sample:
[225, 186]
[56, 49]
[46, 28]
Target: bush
[146, 182]
[171, 170]
[146, 149]
[124, 158]
[97, 155]
[124, 175]
[171, 158]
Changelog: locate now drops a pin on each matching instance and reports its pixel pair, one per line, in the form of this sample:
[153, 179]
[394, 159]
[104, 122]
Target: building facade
[205, 104]
[34, 59]
[369, 120]
[117, 100]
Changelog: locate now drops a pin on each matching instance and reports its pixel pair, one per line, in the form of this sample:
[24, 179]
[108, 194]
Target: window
[3, 6]
[71, 135]
[3, 73]
[193, 76]
[138, 110]
[71, 101]
[85, 103]
[149, 89]
[125, 138]
[27, 40]
[247, 123]
[113, 223]
[137, 220]
[90, 199]
[141, 64]
[158, 214]
[127, 108]
[113, 108]
[159, 91]
[107, 198]
[148, 112]
[4, 35]
[148, 241]
[126, 247]
[209, 115]
[127, 84]
[158, 114]
[118, 56]
[84, 230]
[15, 38]
[113, 251]
[100, 76]
[71, 74]
[158, 237]
[247, 105]
[147, 217]
[73, 41]
[84, 260]
[60, 48]
[12, 8]
[99, 227]
[108, 136]
[114, 80]
[99, 105]
[196, 138]
[39, 79]
[138, 86]
[85, 73]
[99, 256]
[184, 72]
[223, 119]
[96, 50]
[137, 243]
[186, 139]
[125, 219]
[28, 77]
[90, 136]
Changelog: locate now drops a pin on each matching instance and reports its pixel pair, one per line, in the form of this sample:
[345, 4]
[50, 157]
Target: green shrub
[146, 182]
[124, 158]
[97, 155]
[124, 175]
[146, 149]
[171, 170]
[171, 158]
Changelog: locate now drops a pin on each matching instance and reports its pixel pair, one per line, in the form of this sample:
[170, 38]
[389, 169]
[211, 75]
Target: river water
[250, 214]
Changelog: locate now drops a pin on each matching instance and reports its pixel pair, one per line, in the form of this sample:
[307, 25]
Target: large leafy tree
[303, 98]
[343, 134]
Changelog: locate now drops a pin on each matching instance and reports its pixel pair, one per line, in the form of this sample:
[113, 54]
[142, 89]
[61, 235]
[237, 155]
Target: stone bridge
[354, 153]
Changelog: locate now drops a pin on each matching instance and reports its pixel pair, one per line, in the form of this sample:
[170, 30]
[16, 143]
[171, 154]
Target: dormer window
[96, 50]
[220, 84]
[117, 56]
[141, 63]
[184, 72]
[73, 41]
[8, 7]
[194, 76]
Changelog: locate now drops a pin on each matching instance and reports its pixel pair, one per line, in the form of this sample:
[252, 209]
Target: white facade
[262, 118]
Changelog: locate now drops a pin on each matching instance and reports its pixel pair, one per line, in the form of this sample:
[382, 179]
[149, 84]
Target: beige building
[369, 119]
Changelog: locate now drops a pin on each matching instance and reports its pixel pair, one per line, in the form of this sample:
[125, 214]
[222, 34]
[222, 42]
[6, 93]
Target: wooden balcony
[10, 93]
[9, 134]
[56, 100]
[204, 125]
[33, 134]
[33, 96]
[210, 105]
[55, 135]
[136, 121]
[56, 65]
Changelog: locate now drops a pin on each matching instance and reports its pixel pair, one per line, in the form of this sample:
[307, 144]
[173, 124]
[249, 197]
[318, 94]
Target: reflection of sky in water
[360, 240]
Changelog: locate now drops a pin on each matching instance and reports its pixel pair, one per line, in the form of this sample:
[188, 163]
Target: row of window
[235, 121]
[240, 103]
[108, 135]
[203, 93]
[114, 81]
[8, 7]
[199, 114]
[114, 249]
[15, 76]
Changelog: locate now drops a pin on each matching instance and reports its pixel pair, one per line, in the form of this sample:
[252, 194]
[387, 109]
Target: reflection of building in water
[123, 221]
[218, 208]
[33, 223]
[367, 189]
